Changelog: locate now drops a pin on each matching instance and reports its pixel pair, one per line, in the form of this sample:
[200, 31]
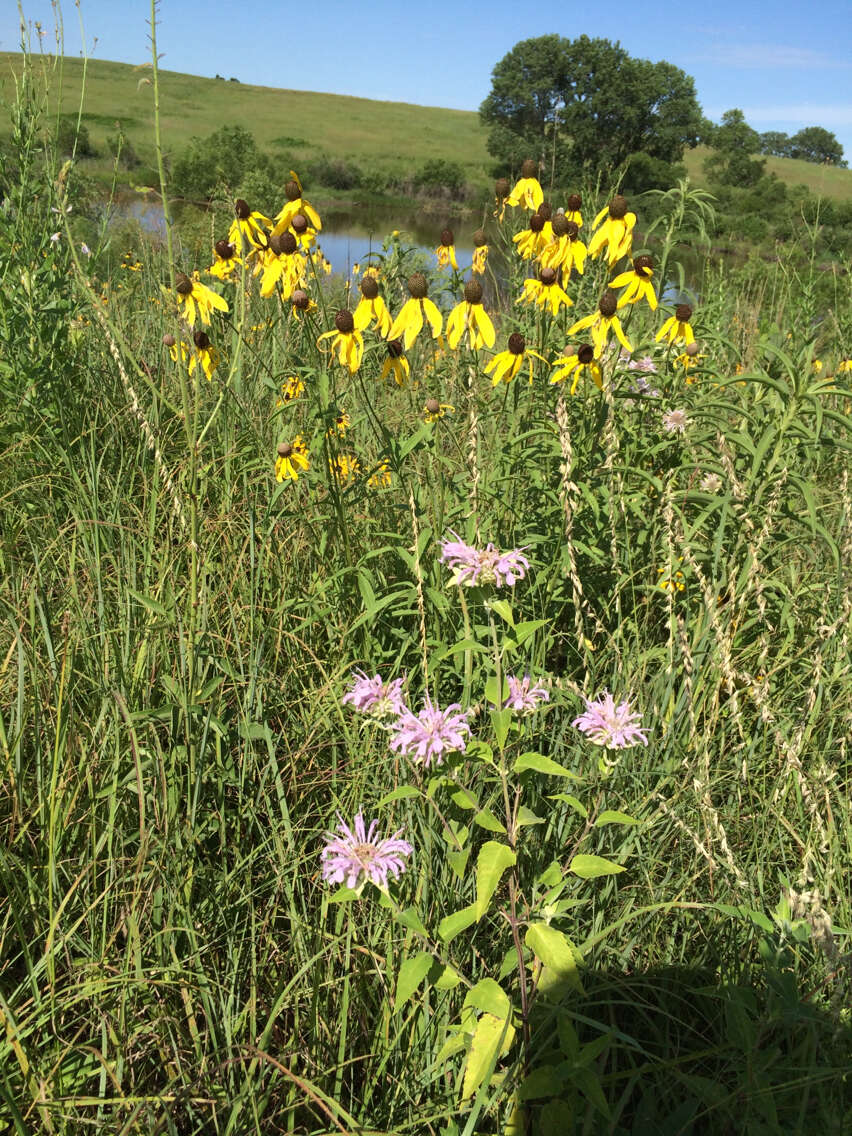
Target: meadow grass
[179, 627]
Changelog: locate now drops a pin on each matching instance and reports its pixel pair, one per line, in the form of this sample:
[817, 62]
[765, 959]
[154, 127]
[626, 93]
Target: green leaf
[527, 816]
[555, 951]
[343, 895]
[491, 1038]
[447, 978]
[590, 867]
[464, 799]
[400, 794]
[489, 997]
[456, 648]
[542, 764]
[487, 820]
[457, 859]
[452, 925]
[411, 919]
[576, 805]
[411, 974]
[501, 720]
[504, 610]
[609, 816]
[523, 631]
[545, 1081]
[494, 859]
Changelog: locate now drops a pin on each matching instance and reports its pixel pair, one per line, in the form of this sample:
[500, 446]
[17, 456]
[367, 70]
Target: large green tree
[586, 102]
[816, 144]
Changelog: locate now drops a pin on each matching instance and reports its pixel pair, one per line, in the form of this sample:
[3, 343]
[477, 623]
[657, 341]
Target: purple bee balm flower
[523, 696]
[616, 727]
[430, 734]
[374, 697]
[353, 857]
[474, 566]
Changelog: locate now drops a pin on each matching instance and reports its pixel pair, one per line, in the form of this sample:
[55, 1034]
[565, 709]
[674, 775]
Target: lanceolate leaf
[411, 974]
[494, 859]
[590, 867]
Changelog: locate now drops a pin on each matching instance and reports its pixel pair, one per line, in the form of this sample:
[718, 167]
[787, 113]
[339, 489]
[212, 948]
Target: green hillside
[391, 138]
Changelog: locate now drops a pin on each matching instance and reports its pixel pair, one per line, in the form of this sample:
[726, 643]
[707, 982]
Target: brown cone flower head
[299, 223]
[224, 249]
[608, 304]
[529, 168]
[692, 350]
[369, 287]
[560, 225]
[479, 238]
[183, 284]
[432, 405]
[473, 292]
[569, 349]
[344, 322]
[284, 244]
[395, 348]
[201, 340]
[241, 209]
[301, 300]
[292, 191]
[284, 449]
[642, 265]
[547, 276]
[169, 340]
[501, 188]
[447, 237]
[618, 207]
[536, 223]
[417, 286]
[545, 210]
[683, 313]
[517, 344]
[573, 203]
[585, 354]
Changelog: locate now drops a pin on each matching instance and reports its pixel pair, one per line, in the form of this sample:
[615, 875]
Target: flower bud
[284, 449]
[432, 405]
[169, 340]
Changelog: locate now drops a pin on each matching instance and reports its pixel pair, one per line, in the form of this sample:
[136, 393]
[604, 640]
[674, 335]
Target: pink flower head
[354, 857]
[675, 421]
[430, 734]
[523, 696]
[374, 697]
[606, 724]
[474, 566]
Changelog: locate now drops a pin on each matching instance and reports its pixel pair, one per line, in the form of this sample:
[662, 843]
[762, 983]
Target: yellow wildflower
[527, 191]
[372, 308]
[601, 322]
[506, 364]
[637, 283]
[344, 466]
[572, 210]
[194, 296]
[341, 424]
[545, 292]
[409, 322]
[292, 460]
[347, 342]
[446, 250]
[225, 260]
[204, 355]
[396, 363]
[533, 240]
[291, 389]
[480, 252]
[615, 233]
[471, 317]
[296, 203]
[678, 327]
[433, 410]
[246, 230]
[565, 249]
[579, 362]
[283, 265]
[381, 476]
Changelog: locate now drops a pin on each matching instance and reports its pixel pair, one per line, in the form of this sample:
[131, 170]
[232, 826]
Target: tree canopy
[816, 144]
[586, 102]
[733, 142]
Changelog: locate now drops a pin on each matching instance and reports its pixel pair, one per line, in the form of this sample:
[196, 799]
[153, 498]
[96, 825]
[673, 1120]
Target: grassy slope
[299, 124]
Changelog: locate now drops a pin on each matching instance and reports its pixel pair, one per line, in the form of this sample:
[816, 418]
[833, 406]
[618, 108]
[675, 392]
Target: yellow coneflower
[566, 250]
[843, 366]
[471, 317]
[677, 328]
[531, 241]
[347, 342]
[527, 190]
[433, 410]
[225, 260]
[380, 477]
[601, 322]
[572, 210]
[613, 230]
[409, 322]
[480, 252]
[301, 304]
[577, 362]
[292, 460]
[204, 355]
[340, 425]
[247, 228]
[506, 364]
[284, 266]
[396, 363]
[689, 358]
[637, 283]
[194, 296]
[296, 203]
[372, 308]
[344, 466]
[545, 292]
[446, 250]
[501, 194]
[291, 389]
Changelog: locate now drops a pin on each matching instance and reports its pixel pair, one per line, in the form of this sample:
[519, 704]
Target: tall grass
[178, 629]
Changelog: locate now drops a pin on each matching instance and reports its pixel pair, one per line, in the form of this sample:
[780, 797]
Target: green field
[392, 138]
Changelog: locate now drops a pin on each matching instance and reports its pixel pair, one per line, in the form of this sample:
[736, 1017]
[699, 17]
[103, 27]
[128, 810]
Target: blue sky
[785, 66]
